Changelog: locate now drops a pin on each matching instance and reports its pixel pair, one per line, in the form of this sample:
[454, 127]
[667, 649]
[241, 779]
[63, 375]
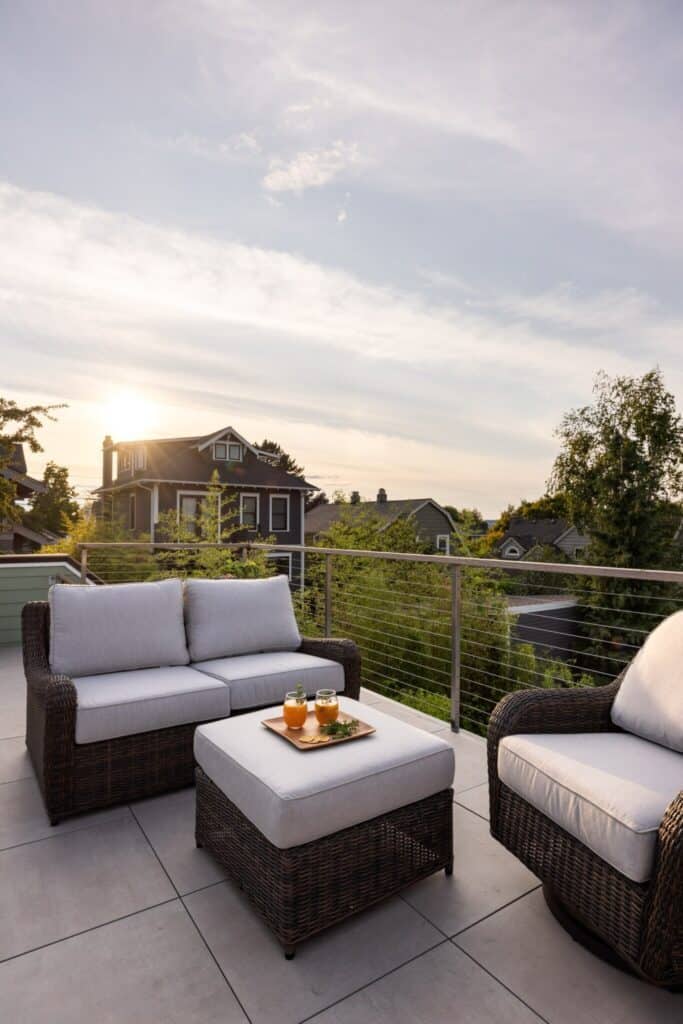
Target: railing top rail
[569, 569]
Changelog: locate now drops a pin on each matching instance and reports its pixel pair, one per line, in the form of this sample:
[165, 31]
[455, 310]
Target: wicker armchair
[639, 926]
[83, 777]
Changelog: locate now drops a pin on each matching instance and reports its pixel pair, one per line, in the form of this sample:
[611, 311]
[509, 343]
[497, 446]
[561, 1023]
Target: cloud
[311, 169]
[100, 300]
[342, 215]
[242, 144]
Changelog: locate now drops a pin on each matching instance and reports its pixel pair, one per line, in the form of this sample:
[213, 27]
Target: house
[143, 479]
[525, 538]
[15, 536]
[433, 523]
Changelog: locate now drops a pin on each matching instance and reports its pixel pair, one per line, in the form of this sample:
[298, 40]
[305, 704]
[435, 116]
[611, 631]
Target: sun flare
[128, 415]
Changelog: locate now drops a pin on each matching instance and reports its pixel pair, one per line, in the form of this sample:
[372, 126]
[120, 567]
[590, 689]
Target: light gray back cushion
[650, 699]
[227, 617]
[115, 628]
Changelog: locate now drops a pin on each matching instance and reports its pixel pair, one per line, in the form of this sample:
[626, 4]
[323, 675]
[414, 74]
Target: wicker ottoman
[313, 837]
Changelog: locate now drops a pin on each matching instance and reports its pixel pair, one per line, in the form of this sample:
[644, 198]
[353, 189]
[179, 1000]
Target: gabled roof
[527, 533]
[199, 441]
[16, 472]
[321, 517]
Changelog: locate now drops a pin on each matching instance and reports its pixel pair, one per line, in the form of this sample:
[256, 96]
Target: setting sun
[127, 415]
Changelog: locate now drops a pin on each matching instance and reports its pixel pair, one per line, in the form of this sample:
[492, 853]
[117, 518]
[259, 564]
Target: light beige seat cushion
[256, 680]
[116, 628]
[228, 617]
[294, 797]
[125, 703]
[608, 790]
[649, 702]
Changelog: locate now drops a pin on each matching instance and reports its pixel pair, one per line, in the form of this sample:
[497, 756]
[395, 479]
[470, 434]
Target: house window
[131, 512]
[249, 510]
[579, 552]
[443, 543]
[189, 507]
[125, 461]
[140, 458]
[227, 452]
[511, 552]
[279, 513]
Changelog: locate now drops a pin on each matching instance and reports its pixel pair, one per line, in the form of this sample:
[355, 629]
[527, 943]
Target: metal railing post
[84, 565]
[456, 617]
[328, 595]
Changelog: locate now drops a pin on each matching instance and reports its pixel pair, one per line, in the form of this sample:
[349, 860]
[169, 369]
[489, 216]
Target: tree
[285, 461]
[57, 507]
[18, 425]
[620, 470]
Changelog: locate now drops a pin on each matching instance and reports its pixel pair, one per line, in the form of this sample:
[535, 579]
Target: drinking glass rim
[299, 698]
[325, 693]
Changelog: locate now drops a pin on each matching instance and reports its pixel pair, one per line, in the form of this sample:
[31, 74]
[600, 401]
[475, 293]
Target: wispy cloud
[312, 168]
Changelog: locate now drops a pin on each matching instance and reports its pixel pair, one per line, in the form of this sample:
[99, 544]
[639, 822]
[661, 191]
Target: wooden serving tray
[311, 728]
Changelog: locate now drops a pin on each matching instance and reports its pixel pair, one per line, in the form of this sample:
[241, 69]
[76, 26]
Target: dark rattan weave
[643, 924]
[305, 889]
[81, 777]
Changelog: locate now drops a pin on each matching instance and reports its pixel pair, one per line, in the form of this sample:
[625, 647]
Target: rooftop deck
[115, 916]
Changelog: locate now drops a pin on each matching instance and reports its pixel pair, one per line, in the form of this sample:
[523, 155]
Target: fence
[446, 634]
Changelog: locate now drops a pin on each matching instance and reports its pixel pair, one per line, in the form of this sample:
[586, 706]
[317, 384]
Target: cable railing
[448, 635]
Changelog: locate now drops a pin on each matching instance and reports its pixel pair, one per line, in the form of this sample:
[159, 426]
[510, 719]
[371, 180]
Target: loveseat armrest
[663, 926]
[345, 652]
[51, 702]
[579, 709]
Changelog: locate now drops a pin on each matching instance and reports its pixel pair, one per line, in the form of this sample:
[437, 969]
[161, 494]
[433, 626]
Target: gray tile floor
[117, 917]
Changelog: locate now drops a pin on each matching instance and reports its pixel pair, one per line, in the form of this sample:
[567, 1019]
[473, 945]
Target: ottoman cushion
[294, 797]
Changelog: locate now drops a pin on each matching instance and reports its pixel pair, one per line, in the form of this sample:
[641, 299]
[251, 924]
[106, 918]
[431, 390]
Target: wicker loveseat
[118, 677]
[586, 788]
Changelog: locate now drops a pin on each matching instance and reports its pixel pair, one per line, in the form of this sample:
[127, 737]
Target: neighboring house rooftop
[321, 517]
[16, 472]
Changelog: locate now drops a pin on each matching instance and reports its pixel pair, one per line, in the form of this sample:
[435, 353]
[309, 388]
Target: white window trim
[228, 446]
[512, 551]
[281, 555]
[286, 497]
[447, 538]
[247, 494]
[132, 505]
[139, 450]
[200, 494]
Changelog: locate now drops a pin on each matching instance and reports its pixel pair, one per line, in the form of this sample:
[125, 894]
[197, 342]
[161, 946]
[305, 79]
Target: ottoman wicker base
[304, 889]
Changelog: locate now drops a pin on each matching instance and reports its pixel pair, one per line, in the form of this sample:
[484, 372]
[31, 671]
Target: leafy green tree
[18, 425]
[216, 524]
[620, 470]
[57, 507]
[285, 461]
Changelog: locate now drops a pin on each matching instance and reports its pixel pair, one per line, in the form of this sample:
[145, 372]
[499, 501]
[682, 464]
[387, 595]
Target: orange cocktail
[326, 706]
[294, 710]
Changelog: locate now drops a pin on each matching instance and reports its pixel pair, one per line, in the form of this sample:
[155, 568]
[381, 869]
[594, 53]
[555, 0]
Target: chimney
[381, 496]
[107, 461]
[355, 498]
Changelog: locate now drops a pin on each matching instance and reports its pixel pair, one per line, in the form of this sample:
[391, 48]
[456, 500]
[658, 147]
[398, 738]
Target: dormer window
[140, 458]
[227, 451]
[125, 461]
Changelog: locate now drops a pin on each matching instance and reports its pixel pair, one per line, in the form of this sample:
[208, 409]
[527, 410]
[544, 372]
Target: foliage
[108, 565]
[548, 506]
[57, 507]
[18, 425]
[399, 613]
[620, 468]
[285, 461]
[216, 523]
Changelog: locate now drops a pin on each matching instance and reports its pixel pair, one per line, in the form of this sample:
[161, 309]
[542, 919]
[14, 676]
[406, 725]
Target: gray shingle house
[143, 479]
[433, 523]
[526, 536]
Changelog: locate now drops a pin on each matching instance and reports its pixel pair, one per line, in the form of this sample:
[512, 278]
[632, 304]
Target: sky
[401, 239]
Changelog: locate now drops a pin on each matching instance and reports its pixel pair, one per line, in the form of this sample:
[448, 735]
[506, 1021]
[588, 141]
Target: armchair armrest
[663, 924]
[345, 652]
[50, 709]
[580, 709]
